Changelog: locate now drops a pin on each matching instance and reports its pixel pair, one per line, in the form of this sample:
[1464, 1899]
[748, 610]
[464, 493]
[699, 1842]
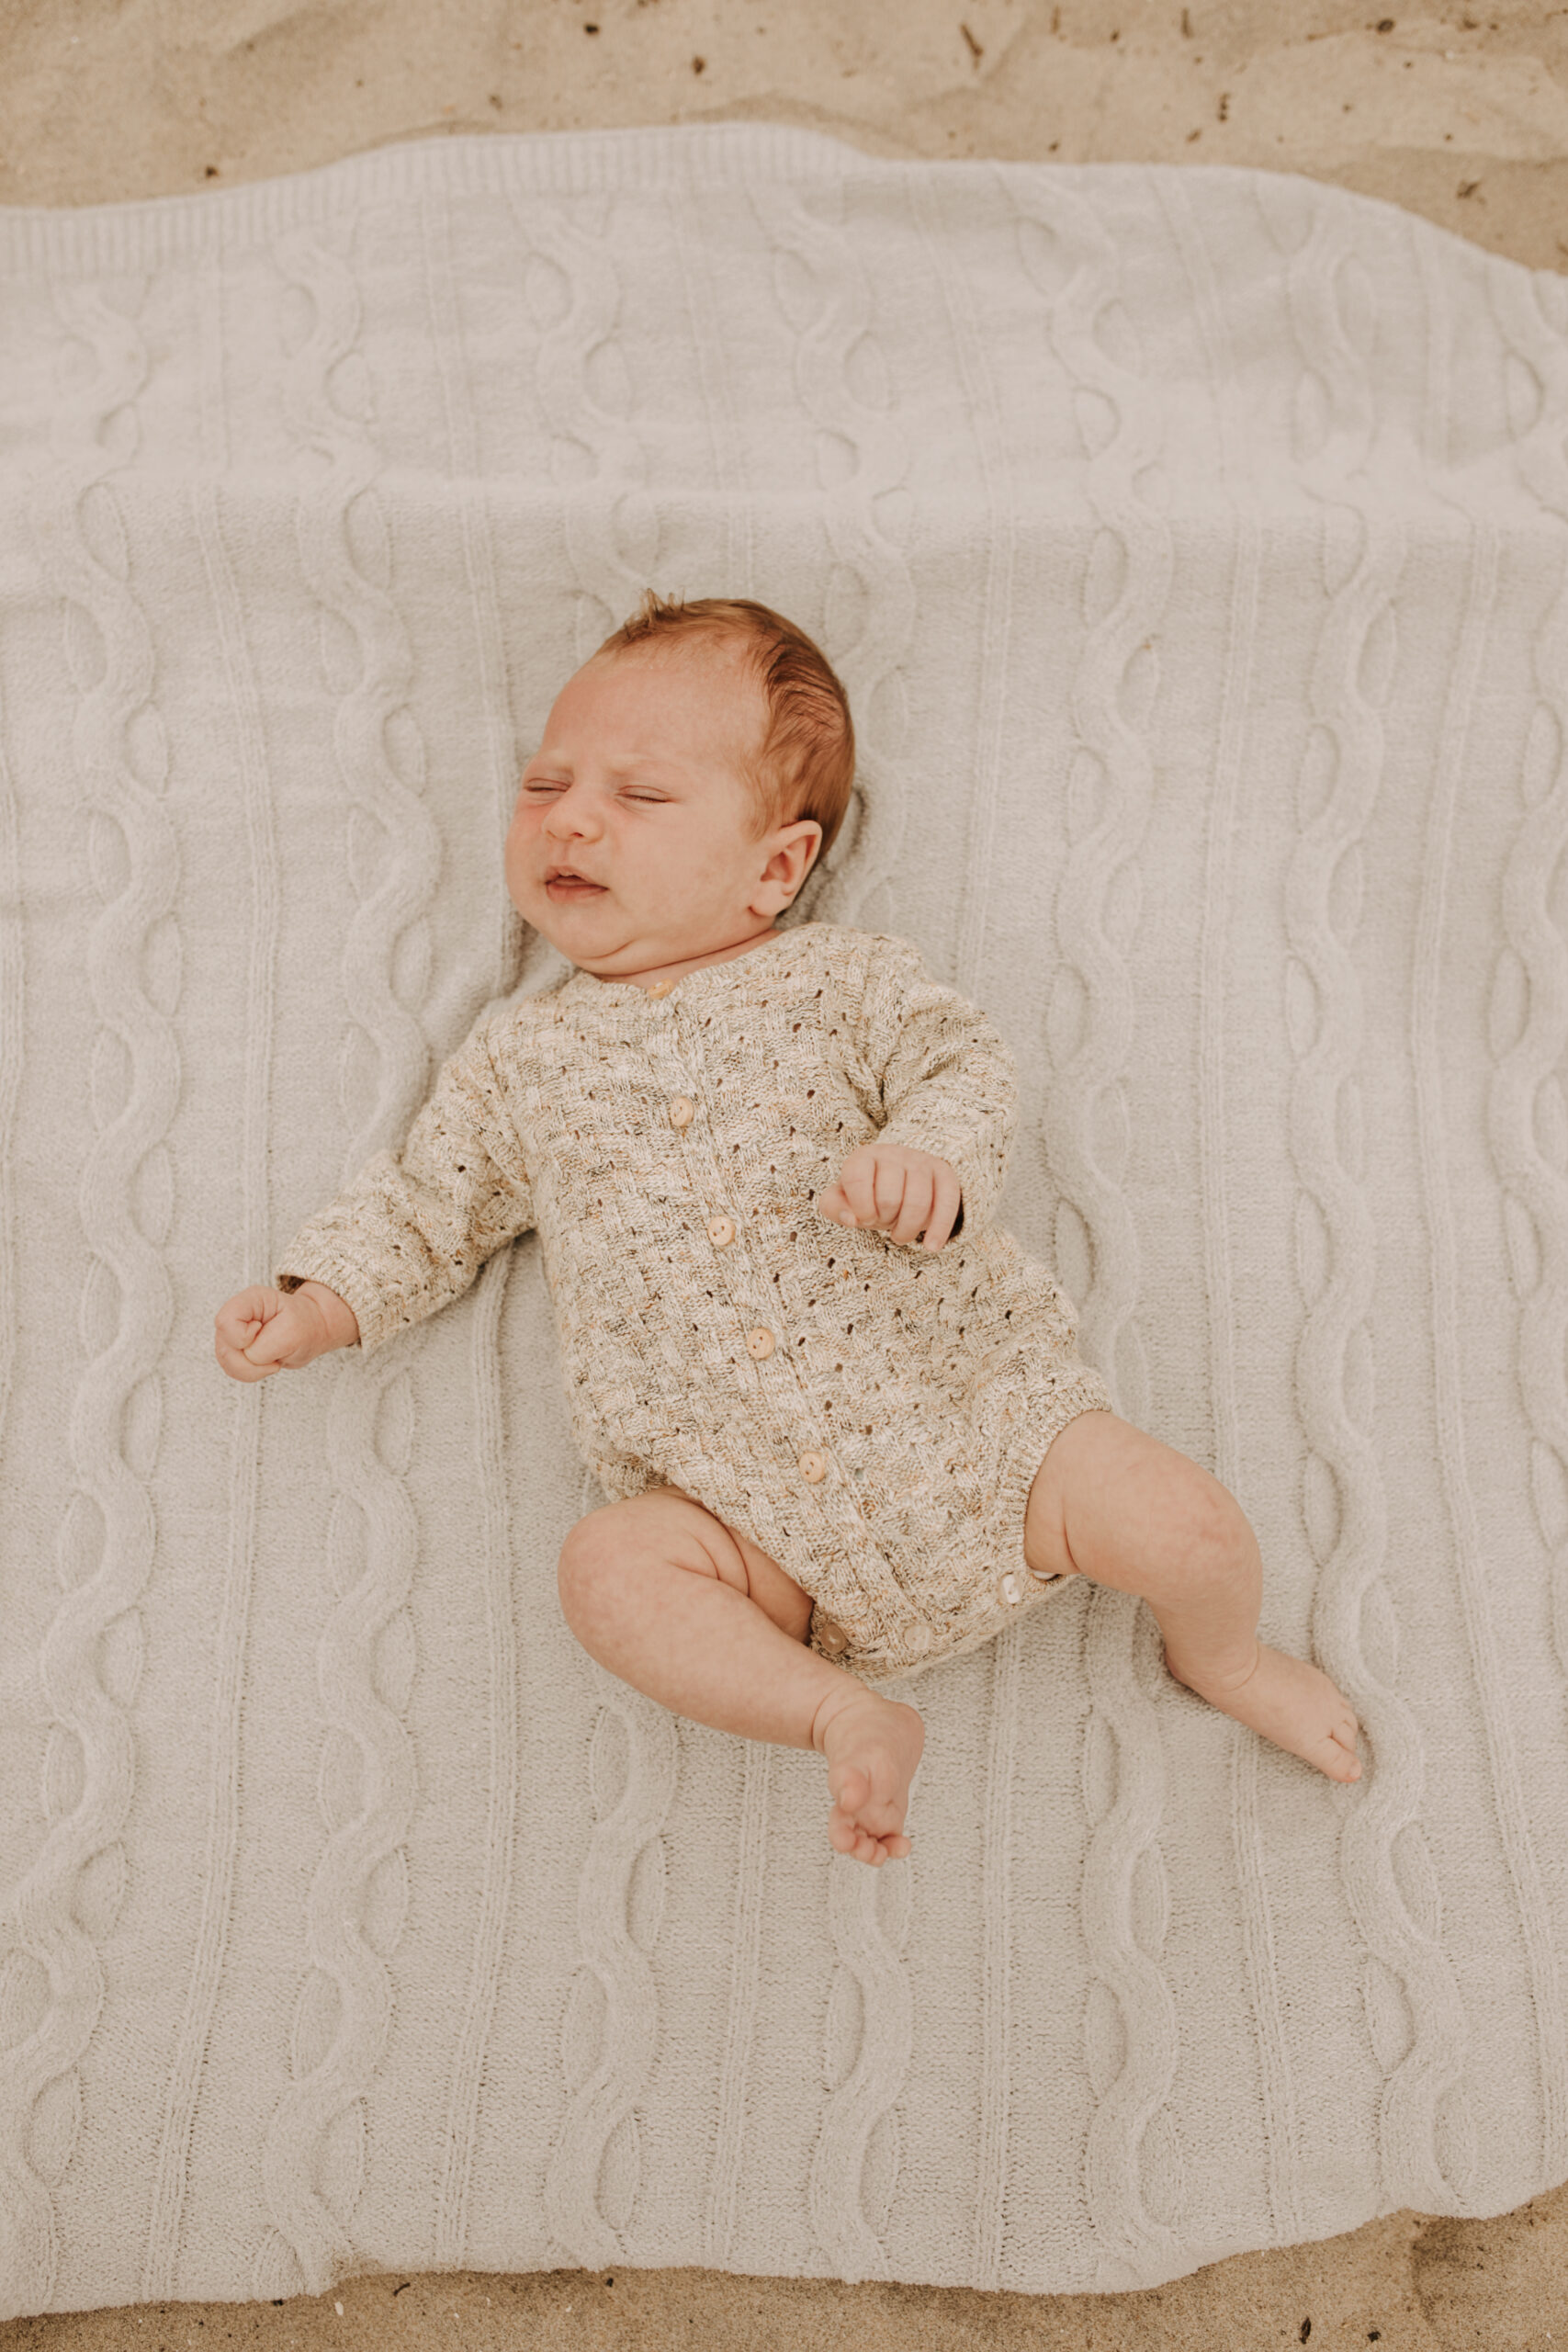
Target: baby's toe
[843, 1835]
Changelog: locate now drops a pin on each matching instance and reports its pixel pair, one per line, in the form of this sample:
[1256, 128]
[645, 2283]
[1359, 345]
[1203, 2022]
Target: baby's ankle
[1224, 1670]
[833, 1705]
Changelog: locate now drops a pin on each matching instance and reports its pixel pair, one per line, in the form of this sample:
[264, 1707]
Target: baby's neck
[692, 963]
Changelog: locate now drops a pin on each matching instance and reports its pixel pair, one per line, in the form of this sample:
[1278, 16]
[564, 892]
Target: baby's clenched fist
[261, 1331]
[890, 1184]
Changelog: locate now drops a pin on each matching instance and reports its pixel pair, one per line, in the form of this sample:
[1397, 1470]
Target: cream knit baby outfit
[870, 1414]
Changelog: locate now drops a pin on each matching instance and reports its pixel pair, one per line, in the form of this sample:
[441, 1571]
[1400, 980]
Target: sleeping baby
[837, 1406]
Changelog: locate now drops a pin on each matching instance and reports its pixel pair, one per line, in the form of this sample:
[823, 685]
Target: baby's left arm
[947, 1088]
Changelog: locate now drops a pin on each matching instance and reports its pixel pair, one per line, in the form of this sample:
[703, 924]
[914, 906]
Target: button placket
[681, 1110]
[761, 1342]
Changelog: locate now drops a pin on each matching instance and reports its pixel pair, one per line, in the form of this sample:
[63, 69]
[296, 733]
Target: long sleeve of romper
[412, 1231]
[948, 1083]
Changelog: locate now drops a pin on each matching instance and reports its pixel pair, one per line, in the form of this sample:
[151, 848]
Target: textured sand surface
[1459, 114]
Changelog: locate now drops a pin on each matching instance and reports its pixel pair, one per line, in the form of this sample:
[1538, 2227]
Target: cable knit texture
[871, 1414]
[1193, 545]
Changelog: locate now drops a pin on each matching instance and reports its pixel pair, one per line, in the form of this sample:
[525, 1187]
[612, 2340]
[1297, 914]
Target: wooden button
[1011, 1590]
[721, 1233]
[812, 1467]
[659, 987]
[1046, 1576]
[830, 1637]
[760, 1342]
[918, 1640]
[683, 1111]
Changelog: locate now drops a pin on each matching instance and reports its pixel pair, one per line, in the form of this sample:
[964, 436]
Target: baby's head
[693, 769]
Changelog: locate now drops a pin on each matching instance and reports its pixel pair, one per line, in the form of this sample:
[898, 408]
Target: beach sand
[1457, 113]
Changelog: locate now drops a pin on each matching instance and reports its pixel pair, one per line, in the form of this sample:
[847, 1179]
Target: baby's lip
[570, 874]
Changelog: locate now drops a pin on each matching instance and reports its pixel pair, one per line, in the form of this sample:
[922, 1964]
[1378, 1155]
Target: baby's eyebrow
[633, 763]
[619, 767]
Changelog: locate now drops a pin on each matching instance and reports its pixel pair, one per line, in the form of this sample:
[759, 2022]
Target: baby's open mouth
[571, 886]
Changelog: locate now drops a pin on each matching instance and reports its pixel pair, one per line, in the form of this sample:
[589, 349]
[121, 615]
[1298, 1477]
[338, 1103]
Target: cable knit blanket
[1193, 544]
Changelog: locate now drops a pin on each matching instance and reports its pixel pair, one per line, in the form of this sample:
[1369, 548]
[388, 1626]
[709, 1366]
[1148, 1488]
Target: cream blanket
[1193, 545]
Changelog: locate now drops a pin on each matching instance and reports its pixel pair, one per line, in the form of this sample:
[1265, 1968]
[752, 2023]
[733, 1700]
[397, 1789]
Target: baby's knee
[601, 1549]
[1220, 1548]
[656, 1528]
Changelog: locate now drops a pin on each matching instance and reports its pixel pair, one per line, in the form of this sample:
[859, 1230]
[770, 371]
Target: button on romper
[870, 1413]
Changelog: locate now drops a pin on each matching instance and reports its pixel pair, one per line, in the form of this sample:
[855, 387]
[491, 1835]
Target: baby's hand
[888, 1184]
[261, 1331]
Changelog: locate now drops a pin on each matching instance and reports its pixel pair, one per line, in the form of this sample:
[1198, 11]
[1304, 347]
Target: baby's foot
[1291, 1704]
[872, 1747]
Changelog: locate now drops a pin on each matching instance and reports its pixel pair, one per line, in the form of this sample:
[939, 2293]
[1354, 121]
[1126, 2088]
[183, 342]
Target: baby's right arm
[261, 1331]
[407, 1235]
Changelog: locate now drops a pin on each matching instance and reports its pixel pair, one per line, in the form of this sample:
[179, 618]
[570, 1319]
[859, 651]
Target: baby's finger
[856, 1182]
[273, 1347]
[244, 1314]
[890, 1184]
[916, 1211]
[948, 1193]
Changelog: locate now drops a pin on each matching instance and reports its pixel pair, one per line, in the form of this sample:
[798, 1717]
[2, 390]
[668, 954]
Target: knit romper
[870, 1413]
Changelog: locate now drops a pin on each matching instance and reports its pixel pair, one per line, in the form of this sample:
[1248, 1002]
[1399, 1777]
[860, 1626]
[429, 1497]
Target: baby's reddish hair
[805, 765]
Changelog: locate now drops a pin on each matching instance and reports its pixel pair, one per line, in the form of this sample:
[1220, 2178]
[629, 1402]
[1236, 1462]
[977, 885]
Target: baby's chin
[592, 925]
[607, 944]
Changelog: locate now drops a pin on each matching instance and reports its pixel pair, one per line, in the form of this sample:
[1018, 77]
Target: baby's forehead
[727, 662]
[719, 651]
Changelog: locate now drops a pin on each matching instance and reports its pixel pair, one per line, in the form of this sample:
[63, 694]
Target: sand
[1457, 113]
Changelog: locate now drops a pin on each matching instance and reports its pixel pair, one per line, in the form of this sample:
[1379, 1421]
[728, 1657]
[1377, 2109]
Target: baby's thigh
[695, 1538]
[1107, 1493]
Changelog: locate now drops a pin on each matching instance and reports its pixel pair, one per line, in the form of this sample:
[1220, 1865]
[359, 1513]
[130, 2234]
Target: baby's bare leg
[1113, 1503]
[688, 1610]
